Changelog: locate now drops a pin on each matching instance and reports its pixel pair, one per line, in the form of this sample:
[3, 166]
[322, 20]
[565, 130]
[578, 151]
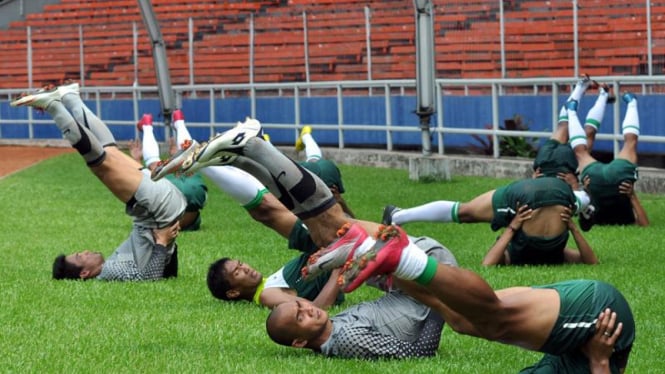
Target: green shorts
[327, 171]
[554, 157]
[194, 189]
[532, 250]
[581, 303]
[611, 206]
[536, 193]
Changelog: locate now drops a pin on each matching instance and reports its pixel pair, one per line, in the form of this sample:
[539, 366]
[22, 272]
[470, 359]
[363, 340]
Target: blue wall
[459, 112]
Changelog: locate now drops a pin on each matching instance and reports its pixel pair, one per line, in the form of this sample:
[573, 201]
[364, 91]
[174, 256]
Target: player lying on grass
[568, 321]
[150, 251]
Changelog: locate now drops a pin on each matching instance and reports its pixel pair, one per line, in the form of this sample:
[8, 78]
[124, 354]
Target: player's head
[232, 280]
[296, 323]
[79, 265]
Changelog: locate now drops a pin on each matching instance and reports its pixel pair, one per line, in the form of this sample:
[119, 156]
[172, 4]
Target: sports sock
[302, 192]
[78, 136]
[85, 117]
[579, 90]
[412, 262]
[563, 114]
[240, 185]
[631, 121]
[595, 116]
[181, 132]
[436, 211]
[312, 150]
[575, 130]
[583, 200]
[150, 147]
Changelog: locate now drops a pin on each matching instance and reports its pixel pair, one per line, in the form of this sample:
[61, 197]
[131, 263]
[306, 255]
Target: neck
[316, 343]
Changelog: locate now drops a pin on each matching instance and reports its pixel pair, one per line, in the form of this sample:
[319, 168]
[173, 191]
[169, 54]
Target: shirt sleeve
[366, 343]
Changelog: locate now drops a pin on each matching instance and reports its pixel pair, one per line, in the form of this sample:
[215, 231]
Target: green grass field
[176, 326]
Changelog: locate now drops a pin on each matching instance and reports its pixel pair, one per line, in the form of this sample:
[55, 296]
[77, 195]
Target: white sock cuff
[412, 263]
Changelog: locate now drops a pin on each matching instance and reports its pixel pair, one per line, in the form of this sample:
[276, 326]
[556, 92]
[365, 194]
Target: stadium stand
[96, 37]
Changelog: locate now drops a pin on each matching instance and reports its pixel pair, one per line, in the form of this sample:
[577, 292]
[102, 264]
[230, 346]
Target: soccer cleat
[40, 99]
[300, 146]
[146, 120]
[226, 143]
[177, 115]
[586, 218]
[604, 87]
[350, 237]
[388, 212]
[68, 88]
[572, 105]
[383, 282]
[219, 159]
[266, 137]
[382, 258]
[172, 164]
[628, 97]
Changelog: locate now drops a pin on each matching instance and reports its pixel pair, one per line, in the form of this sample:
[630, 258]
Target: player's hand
[537, 173]
[626, 188]
[600, 347]
[166, 235]
[524, 213]
[586, 182]
[569, 178]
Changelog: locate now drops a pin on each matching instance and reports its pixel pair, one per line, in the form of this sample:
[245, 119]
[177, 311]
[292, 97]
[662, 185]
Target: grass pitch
[175, 326]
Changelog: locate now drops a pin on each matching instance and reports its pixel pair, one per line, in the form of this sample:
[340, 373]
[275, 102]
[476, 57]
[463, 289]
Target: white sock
[631, 122]
[312, 150]
[578, 91]
[575, 130]
[583, 200]
[412, 263]
[181, 132]
[436, 211]
[150, 146]
[240, 185]
[563, 114]
[595, 116]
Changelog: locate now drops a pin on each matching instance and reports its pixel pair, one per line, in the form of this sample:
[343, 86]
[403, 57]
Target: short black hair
[217, 282]
[65, 270]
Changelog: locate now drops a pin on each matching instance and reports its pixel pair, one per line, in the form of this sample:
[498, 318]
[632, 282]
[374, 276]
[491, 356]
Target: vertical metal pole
[28, 32]
[425, 79]
[389, 117]
[296, 108]
[576, 52]
[251, 48]
[649, 41]
[81, 57]
[340, 117]
[368, 42]
[439, 117]
[305, 32]
[190, 52]
[502, 35]
[495, 120]
[135, 52]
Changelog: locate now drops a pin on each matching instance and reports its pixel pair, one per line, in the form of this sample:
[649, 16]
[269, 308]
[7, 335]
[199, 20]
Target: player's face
[241, 275]
[304, 319]
[89, 262]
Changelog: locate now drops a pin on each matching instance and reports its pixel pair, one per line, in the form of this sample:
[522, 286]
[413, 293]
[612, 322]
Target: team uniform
[196, 195]
[612, 207]
[290, 276]
[554, 157]
[155, 205]
[546, 191]
[581, 303]
[393, 326]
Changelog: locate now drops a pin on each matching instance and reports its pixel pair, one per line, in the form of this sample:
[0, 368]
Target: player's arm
[584, 254]
[497, 254]
[271, 297]
[328, 294]
[628, 188]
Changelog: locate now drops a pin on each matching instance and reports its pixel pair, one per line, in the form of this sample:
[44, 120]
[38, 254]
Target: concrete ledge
[652, 180]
